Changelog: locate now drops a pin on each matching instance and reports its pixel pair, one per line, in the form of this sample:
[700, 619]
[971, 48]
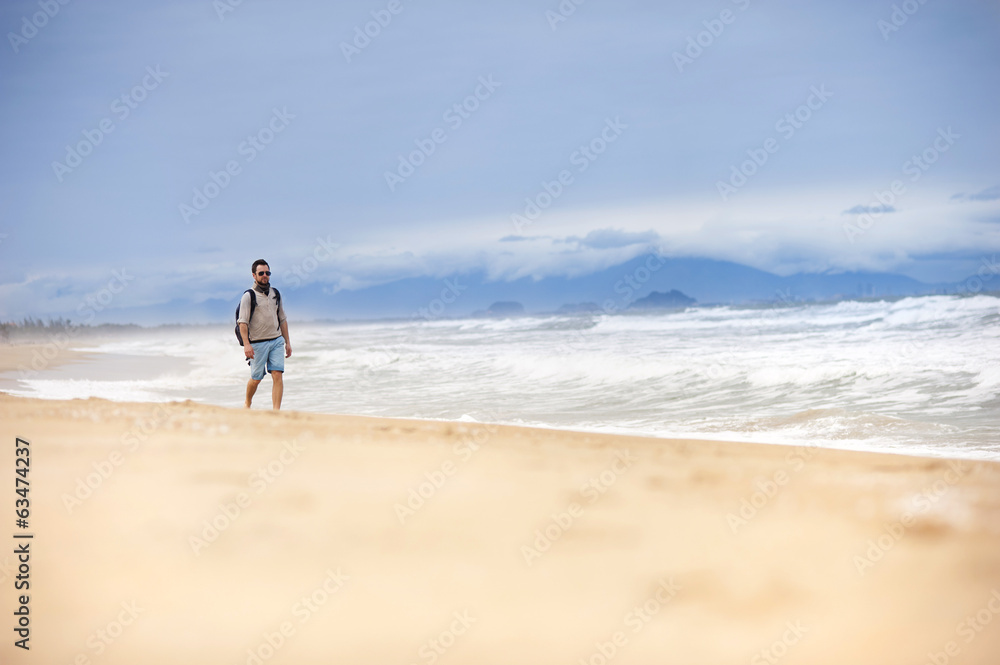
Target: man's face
[263, 275]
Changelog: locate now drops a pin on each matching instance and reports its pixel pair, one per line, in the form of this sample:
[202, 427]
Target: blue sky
[643, 109]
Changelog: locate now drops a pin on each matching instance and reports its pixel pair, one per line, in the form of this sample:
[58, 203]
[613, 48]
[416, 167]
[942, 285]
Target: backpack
[253, 306]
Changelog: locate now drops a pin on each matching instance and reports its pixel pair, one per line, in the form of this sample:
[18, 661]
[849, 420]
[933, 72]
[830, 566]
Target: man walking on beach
[264, 331]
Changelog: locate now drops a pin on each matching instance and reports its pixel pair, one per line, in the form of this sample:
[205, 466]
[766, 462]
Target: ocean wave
[913, 374]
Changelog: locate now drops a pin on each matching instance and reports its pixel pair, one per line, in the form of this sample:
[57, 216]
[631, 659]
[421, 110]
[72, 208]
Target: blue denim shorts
[270, 354]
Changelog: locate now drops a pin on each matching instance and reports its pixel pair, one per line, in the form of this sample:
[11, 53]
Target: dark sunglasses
[265, 272]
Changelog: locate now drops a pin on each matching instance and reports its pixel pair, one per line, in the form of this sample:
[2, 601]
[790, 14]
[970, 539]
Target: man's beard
[266, 288]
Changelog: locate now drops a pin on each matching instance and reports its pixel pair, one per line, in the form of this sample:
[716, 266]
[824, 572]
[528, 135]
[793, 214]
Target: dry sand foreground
[308, 561]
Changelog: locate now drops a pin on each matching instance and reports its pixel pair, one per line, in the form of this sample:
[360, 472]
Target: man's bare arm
[245, 333]
[288, 342]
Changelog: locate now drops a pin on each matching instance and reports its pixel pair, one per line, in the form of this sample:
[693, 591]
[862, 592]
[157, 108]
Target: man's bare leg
[277, 390]
[251, 389]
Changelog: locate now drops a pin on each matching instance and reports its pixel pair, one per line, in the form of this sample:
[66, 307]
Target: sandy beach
[37, 357]
[189, 533]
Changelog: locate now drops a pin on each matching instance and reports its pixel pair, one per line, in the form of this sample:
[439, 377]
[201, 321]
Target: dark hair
[256, 263]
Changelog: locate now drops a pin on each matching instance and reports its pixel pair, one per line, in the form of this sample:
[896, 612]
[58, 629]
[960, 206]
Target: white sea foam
[64, 389]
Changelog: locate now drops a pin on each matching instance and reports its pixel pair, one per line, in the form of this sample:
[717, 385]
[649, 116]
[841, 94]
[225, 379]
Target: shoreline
[17, 354]
[72, 356]
[549, 545]
[754, 402]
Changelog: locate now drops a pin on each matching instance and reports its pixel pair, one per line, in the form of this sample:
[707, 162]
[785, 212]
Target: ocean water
[916, 376]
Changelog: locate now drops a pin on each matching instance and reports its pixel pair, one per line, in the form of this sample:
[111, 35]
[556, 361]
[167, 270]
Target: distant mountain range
[656, 300]
[614, 289]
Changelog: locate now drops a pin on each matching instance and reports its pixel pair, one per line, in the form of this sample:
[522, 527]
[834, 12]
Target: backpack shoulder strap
[277, 297]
